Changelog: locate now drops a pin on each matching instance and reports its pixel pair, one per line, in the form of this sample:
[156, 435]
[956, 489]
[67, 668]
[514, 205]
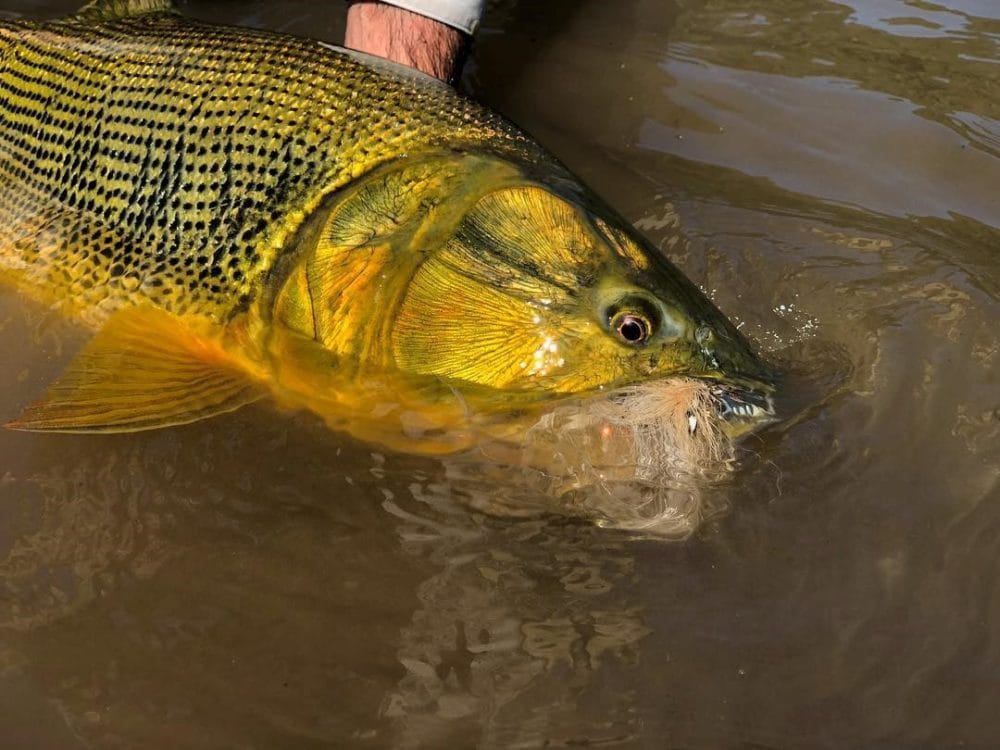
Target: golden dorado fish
[240, 214]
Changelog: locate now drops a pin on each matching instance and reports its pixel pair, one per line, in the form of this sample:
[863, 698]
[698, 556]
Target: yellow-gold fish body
[241, 214]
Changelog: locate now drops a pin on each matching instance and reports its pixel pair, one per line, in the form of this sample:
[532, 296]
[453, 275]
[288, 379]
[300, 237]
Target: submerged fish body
[239, 214]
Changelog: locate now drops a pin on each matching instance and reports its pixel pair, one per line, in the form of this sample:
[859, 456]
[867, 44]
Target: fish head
[540, 294]
[477, 295]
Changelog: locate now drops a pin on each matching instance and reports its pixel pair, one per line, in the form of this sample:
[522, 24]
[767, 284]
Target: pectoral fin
[144, 369]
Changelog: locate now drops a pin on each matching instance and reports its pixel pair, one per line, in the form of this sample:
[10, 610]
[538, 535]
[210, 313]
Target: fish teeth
[745, 410]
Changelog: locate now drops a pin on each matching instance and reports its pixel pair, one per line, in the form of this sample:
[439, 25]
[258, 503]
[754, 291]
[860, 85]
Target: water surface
[830, 173]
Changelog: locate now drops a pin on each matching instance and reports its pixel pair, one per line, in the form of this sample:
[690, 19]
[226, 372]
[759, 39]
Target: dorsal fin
[109, 10]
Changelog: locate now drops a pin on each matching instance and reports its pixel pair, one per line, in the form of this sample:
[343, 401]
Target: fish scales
[172, 160]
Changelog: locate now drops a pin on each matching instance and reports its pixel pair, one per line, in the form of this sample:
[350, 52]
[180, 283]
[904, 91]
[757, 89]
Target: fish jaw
[672, 426]
[742, 407]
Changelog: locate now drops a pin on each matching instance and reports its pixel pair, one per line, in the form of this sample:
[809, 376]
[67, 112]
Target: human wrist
[405, 37]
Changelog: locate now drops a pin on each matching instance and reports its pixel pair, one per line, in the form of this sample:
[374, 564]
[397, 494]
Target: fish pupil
[632, 329]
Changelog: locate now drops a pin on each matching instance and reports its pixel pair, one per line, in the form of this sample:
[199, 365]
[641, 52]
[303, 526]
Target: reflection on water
[827, 172]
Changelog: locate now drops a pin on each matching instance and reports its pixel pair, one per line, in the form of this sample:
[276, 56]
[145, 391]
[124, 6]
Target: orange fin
[143, 370]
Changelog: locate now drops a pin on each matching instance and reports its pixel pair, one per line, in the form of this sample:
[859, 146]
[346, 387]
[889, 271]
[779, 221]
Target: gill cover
[499, 303]
[334, 314]
[360, 255]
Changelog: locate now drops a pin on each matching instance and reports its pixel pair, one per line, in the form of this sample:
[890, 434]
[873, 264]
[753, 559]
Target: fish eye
[633, 324]
[632, 329]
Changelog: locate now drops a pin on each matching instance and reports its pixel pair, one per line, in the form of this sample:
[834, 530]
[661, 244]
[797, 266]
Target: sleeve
[463, 15]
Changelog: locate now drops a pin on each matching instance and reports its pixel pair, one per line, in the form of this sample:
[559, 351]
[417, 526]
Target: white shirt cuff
[463, 15]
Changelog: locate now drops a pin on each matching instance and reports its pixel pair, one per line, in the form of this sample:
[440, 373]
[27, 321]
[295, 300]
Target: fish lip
[743, 405]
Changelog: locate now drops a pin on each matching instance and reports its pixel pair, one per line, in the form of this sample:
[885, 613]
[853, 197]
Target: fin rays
[144, 370]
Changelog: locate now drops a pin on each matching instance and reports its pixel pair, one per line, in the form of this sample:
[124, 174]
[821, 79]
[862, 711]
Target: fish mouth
[742, 407]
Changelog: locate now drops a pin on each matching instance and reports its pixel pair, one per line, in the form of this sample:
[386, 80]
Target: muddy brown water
[830, 173]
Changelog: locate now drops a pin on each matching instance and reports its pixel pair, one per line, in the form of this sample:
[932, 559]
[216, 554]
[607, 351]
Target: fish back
[162, 159]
